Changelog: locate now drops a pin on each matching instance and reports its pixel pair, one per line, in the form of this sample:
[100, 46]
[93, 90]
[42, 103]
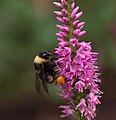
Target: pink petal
[80, 24]
[64, 2]
[60, 39]
[74, 12]
[64, 12]
[78, 15]
[81, 33]
[73, 5]
[77, 31]
[59, 35]
[58, 13]
[65, 19]
[63, 34]
[60, 19]
[75, 23]
[64, 28]
[58, 4]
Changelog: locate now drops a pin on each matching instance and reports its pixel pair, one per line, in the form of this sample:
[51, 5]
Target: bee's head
[45, 54]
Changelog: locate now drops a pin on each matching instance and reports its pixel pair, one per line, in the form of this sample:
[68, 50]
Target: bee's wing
[37, 82]
[43, 78]
[45, 86]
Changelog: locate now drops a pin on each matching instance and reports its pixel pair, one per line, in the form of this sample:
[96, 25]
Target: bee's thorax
[39, 60]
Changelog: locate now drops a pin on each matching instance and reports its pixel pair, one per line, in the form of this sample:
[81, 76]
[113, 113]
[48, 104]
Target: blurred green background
[27, 27]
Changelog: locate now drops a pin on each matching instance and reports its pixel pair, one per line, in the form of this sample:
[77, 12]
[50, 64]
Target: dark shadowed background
[27, 27]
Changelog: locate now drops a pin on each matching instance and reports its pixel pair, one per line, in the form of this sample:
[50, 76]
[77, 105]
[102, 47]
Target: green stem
[79, 117]
[70, 35]
[77, 97]
[69, 10]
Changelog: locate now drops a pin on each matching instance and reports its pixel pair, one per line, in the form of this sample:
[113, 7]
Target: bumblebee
[46, 70]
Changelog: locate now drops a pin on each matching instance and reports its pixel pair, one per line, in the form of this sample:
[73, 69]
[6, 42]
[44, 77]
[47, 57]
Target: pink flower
[73, 41]
[67, 111]
[93, 99]
[82, 106]
[79, 86]
[76, 63]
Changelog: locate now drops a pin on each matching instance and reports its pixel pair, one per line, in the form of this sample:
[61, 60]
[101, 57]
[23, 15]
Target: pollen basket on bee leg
[60, 80]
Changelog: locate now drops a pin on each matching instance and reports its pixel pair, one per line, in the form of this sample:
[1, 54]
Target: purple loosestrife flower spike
[77, 64]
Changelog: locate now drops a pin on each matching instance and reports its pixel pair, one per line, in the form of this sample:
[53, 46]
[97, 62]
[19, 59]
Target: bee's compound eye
[60, 80]
[44, 54]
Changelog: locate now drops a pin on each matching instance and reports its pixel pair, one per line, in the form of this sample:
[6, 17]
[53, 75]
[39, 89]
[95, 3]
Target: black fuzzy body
[45, 71]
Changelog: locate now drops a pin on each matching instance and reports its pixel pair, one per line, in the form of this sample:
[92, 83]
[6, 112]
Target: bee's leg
[50, 79]
[54, 59]
[55, 82]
